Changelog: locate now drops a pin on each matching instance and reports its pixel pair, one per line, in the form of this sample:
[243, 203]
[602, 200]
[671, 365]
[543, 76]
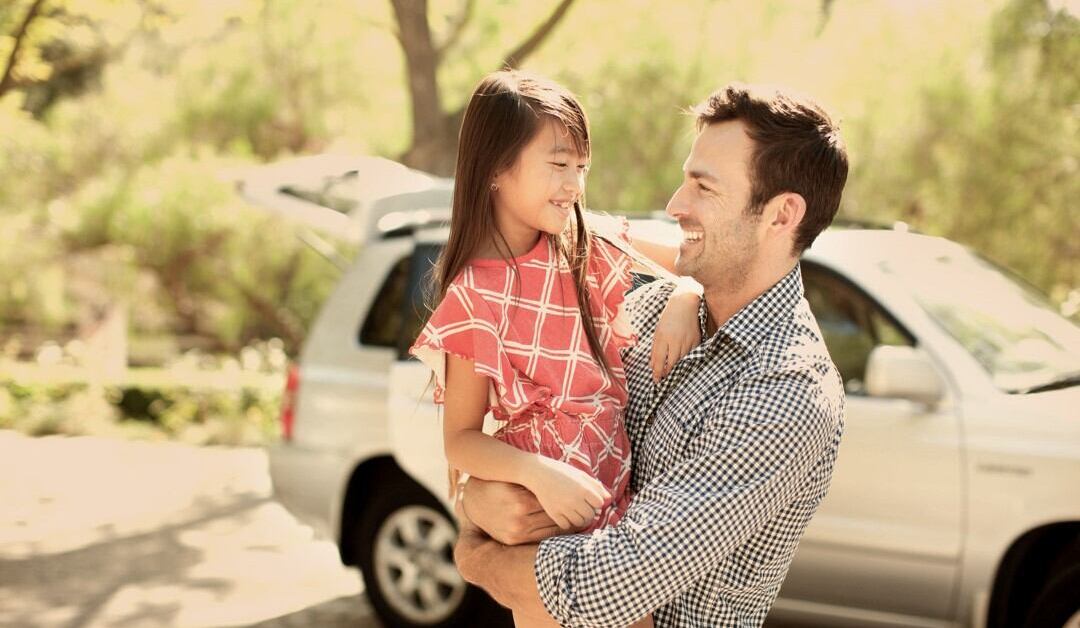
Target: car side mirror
[904, 373]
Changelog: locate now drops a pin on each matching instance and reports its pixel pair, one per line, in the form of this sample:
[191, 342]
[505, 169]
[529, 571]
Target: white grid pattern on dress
[521, 325]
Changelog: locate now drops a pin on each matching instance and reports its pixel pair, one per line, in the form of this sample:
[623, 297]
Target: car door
[415, 423]
[887, 538]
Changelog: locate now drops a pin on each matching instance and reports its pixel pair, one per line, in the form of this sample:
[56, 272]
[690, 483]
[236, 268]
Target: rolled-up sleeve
[758, 447]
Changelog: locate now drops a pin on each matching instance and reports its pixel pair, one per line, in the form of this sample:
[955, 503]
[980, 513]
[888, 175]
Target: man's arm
[745, 467]
[506, 572]
[508, 513]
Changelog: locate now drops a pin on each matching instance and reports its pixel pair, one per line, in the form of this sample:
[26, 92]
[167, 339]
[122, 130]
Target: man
[734, 449]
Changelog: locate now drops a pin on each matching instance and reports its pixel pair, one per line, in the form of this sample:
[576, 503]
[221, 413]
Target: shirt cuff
[554, 560]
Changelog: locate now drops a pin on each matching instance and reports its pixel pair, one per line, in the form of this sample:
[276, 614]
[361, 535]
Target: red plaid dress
[525, 333]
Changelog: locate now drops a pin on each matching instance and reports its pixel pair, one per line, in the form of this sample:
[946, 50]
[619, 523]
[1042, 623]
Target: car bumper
[309, 483]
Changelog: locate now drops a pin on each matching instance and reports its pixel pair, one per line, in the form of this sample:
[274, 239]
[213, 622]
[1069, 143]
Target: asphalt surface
[104, 532]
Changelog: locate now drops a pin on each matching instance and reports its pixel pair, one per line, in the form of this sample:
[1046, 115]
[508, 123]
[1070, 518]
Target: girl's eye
[583, 168]
[559, 164]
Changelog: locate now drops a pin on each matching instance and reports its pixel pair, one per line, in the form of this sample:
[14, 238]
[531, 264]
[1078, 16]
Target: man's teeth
[692, 236]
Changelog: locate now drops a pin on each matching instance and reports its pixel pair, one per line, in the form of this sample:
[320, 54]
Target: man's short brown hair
[797, 148]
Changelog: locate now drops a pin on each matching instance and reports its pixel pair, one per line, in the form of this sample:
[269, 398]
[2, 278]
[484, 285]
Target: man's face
[720, 240]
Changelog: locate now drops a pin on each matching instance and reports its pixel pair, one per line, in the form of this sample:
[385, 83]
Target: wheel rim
[414, 564]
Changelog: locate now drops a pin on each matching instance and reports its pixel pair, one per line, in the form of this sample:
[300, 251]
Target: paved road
[102, 532]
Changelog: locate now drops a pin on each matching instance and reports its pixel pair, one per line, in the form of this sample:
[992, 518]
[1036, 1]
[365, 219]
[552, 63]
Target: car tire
[404, 543]
[1058, 604]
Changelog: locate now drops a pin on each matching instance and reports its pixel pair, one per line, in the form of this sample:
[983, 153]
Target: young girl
[530, 320]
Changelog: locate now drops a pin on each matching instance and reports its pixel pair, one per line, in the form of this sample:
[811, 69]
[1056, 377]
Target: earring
[494, 187]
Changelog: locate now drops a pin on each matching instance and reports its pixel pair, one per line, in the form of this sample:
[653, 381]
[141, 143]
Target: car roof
[838, 246]
[344, 196]
[362, 197]
[843, 246]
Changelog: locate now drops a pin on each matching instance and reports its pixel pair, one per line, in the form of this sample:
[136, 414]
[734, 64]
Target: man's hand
[509, 513]
[470, 541]
[505, 572]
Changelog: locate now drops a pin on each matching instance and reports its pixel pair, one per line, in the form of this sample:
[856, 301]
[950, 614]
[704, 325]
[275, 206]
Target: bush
[242, 416]
[174, 240]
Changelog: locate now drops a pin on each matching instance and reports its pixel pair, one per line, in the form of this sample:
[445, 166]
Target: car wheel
[1058, 605]
[405, 542]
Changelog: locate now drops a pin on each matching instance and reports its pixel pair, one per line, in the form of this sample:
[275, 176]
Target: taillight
[288, 401]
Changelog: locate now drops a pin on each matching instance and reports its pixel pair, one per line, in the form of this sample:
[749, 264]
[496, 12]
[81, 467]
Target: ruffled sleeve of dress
[465, 325]
[610, 266]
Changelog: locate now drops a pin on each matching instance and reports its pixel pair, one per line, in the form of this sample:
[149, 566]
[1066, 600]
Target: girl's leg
[534, 621]
[644, 622]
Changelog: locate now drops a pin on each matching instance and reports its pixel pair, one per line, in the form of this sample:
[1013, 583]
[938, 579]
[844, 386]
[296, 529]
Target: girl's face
[538, 192]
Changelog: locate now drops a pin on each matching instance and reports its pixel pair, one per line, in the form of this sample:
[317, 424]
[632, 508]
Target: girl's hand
[567, 494]
[678, 331]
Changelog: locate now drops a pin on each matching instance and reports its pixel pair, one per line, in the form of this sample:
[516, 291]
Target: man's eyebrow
[700, 174]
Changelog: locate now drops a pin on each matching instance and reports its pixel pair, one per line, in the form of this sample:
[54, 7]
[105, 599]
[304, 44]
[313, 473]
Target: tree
[18, 38]
[434, 130]
[51, 49]
[1007, 155]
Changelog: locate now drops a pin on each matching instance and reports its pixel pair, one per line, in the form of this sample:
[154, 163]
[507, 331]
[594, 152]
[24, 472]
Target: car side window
[386, 318]
[416, 306]
[852, 324]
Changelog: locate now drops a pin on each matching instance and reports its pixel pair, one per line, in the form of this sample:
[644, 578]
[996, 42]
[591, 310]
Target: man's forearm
[508, 513]
[506, 572]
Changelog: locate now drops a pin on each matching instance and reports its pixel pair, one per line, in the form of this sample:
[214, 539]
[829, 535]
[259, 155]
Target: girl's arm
[678, 331]
[660, 253]
[468, 449]
[570, 496]
[651, 248]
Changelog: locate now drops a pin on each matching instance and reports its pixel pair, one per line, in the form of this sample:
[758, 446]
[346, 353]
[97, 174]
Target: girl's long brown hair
[505, 112]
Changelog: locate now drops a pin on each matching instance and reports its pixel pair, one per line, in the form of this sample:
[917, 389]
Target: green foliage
[223, 270]
[629, 175]
[127, 122]
[991, 159]
[246, 416]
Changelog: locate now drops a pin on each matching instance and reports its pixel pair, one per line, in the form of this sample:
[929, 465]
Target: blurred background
[124, 125]
[142, 297]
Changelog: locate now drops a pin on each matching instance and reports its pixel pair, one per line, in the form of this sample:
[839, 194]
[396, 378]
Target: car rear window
[386, 318]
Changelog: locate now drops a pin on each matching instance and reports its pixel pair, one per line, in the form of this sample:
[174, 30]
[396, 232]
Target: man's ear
[787, 213]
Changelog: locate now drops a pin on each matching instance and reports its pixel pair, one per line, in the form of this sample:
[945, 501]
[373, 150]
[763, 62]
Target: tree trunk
[429, 122]
[7, 79]
[434, 142]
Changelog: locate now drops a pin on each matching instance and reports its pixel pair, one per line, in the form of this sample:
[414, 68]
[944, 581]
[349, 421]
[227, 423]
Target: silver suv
[955, 500]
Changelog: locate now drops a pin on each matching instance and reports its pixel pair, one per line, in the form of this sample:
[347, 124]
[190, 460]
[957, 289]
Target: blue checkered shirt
[733, 451]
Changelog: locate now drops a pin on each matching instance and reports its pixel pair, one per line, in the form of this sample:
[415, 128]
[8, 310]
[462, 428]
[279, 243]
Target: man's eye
[703, 188]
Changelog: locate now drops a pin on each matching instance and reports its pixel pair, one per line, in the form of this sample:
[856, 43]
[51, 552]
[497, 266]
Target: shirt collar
[750, 324]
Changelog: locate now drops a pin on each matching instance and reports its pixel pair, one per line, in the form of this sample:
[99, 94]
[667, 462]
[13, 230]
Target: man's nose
[675, 207]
